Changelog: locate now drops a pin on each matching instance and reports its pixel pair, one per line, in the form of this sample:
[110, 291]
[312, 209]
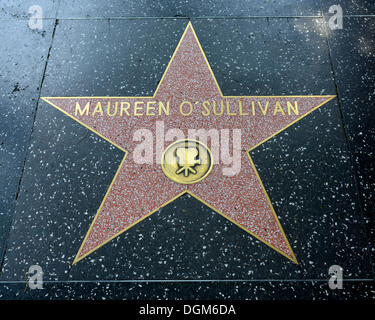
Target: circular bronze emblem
[186, 161]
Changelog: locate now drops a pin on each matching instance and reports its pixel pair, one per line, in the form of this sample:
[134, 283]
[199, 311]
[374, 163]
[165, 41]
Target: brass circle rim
[187, 182]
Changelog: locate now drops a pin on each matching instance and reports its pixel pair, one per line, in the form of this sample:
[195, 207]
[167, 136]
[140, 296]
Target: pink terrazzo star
[138, 190]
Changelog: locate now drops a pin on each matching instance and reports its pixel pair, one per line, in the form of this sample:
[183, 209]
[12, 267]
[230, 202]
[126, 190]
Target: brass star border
[180, 81]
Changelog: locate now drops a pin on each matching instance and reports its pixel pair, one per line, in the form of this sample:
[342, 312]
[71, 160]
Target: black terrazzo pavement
[318, 173]
[22, 65]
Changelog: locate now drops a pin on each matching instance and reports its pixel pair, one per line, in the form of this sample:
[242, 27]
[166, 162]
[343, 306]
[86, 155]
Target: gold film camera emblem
[186, 161]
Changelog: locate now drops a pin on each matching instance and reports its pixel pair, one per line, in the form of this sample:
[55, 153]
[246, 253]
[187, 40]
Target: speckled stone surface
[350, 7]
[306, 169]
[197, 8]
[191, 8]
[353, 56]
[19, 9]
[237, 290]
[22, 63]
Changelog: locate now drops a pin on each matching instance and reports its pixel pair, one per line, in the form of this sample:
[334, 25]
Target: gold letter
[109, 106]
[278, 108]
[206, 108]
[228, 111]
[190, 111]
[166, 110]
[149, 108]
[290, 106]
[124, 109]
[240, 107]
[85, 109]
[215, 111]
[138, 108]
[253, 107]
[264, 111]
[98, 109]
